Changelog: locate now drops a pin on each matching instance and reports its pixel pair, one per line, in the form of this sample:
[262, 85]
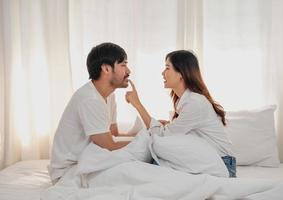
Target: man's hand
[164, 122]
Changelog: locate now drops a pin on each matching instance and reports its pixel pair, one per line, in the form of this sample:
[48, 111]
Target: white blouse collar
[182, 100]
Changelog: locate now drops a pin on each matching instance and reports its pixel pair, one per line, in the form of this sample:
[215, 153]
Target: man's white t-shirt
[86, 114]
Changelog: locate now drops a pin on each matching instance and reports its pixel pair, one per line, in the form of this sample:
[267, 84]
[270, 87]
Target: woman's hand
[132, 96]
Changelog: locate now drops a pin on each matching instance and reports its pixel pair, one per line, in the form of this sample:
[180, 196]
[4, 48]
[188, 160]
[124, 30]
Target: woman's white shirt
[196, 115]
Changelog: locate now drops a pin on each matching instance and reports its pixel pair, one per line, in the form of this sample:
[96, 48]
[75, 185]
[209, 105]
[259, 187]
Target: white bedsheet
[24, 180]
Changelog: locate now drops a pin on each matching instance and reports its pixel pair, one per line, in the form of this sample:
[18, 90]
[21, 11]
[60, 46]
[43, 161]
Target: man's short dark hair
[105, 53]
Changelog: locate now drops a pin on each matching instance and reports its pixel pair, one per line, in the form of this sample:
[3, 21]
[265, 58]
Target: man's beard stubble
[119, 83]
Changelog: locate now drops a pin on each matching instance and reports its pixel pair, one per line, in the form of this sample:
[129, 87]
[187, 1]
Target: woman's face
[171, 77]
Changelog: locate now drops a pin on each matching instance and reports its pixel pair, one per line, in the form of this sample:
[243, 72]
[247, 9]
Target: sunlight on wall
[234, 52]
[40, 96]
[235, 78]
[37, 121]
[19, 105]
[150, 82]
[30, 96]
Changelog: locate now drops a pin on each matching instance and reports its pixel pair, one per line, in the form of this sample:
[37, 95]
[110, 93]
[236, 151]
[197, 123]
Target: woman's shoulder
[198, 101]
[192, 100]
[202, 103]
[198, 98]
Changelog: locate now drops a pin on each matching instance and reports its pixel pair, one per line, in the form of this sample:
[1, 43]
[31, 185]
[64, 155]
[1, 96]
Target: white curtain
[2, 92]
[190, 27]
[242, 51]
[274, 67]
[35, 76]
[44, 44]
[147, 30]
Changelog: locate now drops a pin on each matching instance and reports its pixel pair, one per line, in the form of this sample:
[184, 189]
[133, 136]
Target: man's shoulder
[86, 88]
[84, 93]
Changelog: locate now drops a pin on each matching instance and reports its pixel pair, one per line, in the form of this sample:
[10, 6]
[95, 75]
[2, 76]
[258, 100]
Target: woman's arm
[189, 118]
[133, 98]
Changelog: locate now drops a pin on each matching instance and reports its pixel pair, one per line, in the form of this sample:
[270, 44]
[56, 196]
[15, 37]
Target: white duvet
[125, 177]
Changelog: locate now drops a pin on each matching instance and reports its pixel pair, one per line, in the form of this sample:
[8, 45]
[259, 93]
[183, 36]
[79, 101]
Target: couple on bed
[90, 115]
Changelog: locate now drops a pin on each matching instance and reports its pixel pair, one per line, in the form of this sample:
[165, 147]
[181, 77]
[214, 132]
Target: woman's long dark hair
[186, 63]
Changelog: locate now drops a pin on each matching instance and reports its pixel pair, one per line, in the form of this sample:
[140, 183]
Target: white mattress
[24, 180]
[260, 172]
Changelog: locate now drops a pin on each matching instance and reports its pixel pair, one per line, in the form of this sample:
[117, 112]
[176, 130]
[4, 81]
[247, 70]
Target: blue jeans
[230, 163]
[154, 162]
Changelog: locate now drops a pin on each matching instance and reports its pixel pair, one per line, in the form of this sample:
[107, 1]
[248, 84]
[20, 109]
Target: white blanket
[139, 180]
[127, 178]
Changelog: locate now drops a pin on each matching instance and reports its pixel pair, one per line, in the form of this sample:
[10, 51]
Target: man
[90, 116]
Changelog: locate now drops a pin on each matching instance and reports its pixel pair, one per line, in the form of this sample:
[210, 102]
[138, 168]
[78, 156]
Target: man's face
[120, 75]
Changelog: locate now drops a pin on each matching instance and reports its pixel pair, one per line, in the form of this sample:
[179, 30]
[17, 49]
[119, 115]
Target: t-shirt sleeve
[94, 117]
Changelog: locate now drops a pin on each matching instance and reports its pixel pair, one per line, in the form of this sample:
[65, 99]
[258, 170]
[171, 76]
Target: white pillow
[252, 134]
[189, 153]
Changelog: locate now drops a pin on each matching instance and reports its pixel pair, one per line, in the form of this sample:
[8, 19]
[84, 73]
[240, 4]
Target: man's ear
[105, 68]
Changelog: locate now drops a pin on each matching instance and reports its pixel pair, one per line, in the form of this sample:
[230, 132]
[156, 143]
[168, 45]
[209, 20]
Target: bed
[259, 176]
[275, 173]
[26, 180]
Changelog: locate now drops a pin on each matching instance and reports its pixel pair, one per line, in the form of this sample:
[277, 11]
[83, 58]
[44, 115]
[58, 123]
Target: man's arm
[105, 140]
[115, 132]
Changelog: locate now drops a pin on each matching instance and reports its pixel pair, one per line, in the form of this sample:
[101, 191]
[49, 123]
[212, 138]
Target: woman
[195, 110]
